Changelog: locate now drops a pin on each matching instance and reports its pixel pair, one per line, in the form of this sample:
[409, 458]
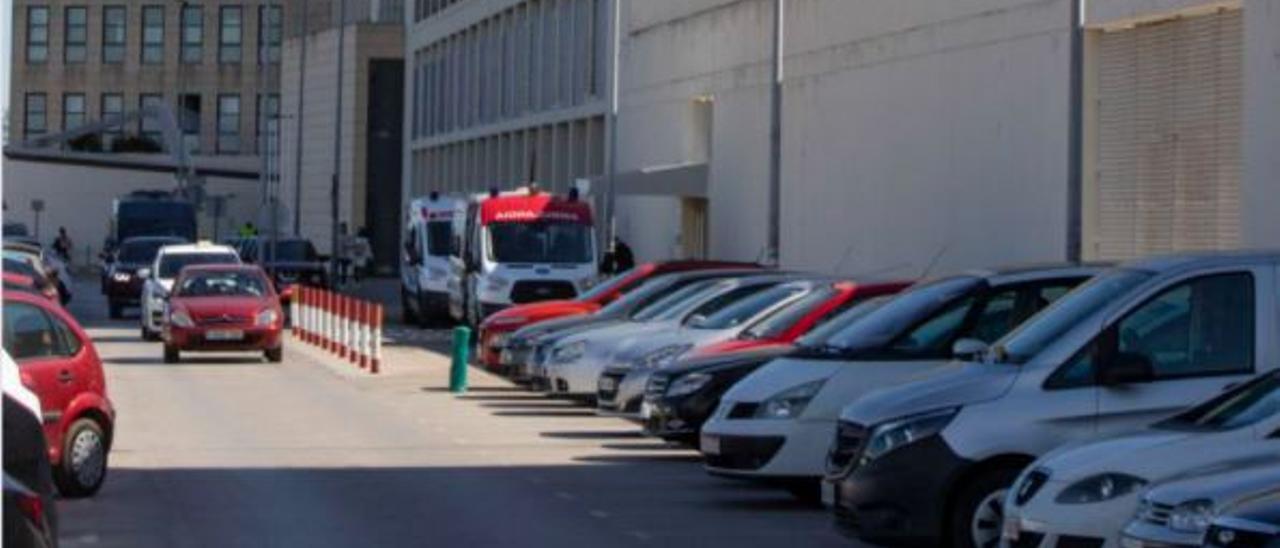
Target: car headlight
[895, 434]
[1192, 516]
[498, 340]
[122, 277]
[662, 357]
[266, 318]
[571, 352]
[789, 403]
[496, 283]
[688, 384]
[1099, 488]
[180, 318]
[587, 283]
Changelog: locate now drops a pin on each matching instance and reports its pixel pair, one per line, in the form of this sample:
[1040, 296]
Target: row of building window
[537, 56]
[423, 9]
[74, 114]
[115, 21]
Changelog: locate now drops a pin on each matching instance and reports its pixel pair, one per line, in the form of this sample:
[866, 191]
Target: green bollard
[461, 355]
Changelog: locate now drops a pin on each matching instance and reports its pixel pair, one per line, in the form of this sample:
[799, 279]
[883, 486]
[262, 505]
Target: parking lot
[222, 451]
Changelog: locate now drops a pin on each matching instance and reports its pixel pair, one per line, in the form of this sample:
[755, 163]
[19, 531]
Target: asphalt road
[228, 450]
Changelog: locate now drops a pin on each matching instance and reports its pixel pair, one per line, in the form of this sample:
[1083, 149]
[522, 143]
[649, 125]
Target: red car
[788, 324]
[223, 308]
[503, 323]
[57, 361]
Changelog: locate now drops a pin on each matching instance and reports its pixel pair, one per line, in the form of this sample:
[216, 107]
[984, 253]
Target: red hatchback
[223, 308]
[57, 361]
[498, 326]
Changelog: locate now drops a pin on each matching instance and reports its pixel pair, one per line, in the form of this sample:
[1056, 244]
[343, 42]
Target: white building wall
[909, 127]
[1260, 184]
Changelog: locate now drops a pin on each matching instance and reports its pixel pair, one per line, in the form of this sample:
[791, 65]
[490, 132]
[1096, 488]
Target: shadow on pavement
[531, 404]
[601, 435]
[546, 414]
[158, 361]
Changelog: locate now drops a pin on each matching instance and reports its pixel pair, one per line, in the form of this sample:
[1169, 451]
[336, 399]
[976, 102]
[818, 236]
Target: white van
[520, 247]
[424, 262]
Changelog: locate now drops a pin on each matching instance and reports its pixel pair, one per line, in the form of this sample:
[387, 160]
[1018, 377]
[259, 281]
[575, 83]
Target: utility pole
[302, 85]
[611, 208]
[773, 255]
[335, 190]
[1075, 135]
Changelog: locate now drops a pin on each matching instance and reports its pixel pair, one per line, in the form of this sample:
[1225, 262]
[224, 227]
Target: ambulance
[519, 247]
[425, 264]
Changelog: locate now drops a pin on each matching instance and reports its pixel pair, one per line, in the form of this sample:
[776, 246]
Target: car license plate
[710, 445]
[828, 494]
[224, 335]
[608, 384]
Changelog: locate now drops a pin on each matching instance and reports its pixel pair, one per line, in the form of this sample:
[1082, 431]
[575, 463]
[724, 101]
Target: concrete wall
[1260, 192]
[79, 198]
[909, 127]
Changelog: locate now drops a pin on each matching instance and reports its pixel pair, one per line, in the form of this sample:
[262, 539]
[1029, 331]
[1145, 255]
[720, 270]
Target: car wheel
[407, 316]
[978, 513]
[115, 310]
[84, 460]
[274, 355]
[425, 318]
[172, 354]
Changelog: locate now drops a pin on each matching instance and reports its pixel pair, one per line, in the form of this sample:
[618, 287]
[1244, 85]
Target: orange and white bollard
[375, 364]
[363, 326]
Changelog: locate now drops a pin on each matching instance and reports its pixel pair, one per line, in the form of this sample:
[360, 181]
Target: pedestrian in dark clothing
[62, 245]
[618, 259]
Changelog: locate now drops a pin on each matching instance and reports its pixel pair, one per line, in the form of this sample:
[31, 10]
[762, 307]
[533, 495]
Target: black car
[30, 516]
[682, 397]
[292, 261]
[121, 283]
[1254, 524]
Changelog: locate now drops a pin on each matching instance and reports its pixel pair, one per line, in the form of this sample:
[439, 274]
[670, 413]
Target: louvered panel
[1169, 124]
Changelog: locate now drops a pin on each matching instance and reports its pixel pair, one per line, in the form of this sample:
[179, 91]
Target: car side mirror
[1127, 368]
[696, 320]
[968, 349]
[144, 272]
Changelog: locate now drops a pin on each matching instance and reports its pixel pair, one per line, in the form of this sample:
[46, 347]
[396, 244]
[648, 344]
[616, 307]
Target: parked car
[57, 359]
[1089, 491]
[524, 348]
[1252, 524]
[620, 387]
[20, 275]
[219, 307]
[1178, 513]
[574, 364]
[294, 261]
[158, 279]
[682, 397]
[27, 516]
[30, 515]
[776, 424]
[121, 283]
[34, 262]
[499, 327]
[932, 458]
[751, 323]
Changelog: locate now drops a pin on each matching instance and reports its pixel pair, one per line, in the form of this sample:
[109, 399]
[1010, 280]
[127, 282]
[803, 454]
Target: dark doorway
[383, 156]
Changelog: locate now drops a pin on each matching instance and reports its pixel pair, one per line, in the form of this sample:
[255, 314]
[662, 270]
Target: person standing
[62, 245]
[248, 230]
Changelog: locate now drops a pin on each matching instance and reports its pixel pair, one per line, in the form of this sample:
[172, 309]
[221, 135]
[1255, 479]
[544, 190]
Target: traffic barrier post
[375, 364]
[365, 338]
[461, 354]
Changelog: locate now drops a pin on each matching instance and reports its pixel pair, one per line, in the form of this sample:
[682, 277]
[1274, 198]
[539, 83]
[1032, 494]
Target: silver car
[1178, 513]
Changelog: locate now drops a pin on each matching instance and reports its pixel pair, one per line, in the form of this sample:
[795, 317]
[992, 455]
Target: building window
[114, 20]
[189, 121]
[37, 111]
[112, 109]
[37, 34]
[192, 34]
[228, 124]
[150, 126]
[269, 29]
[76, 38]
[230, 34]
[72, 111]
[152, 35]
[268, 109]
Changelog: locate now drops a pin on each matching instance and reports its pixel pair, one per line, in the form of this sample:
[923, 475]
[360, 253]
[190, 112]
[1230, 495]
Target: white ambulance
[425, 264]
[519, 247]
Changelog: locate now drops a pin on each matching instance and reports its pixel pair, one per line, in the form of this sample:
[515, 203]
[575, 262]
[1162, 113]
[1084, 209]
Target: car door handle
[65, 376]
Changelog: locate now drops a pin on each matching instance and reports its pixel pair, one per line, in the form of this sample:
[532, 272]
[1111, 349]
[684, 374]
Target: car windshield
[156, 218]
[142, 251]
[819, 335]
[779, 321]
[1240, 406]
[747, 308]
[228, 283]
[887, 322]
[439, 238]
[654, 309]
[173, 263]
[18, 266]
[540, 242]
[290, 251]
[614, 282]
[15, 229]
[1024, 342]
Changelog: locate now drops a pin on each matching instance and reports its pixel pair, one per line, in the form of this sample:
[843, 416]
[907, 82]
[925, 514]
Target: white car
[1177, 513]
[777, 423]
[1091, 490]
[159, 278]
